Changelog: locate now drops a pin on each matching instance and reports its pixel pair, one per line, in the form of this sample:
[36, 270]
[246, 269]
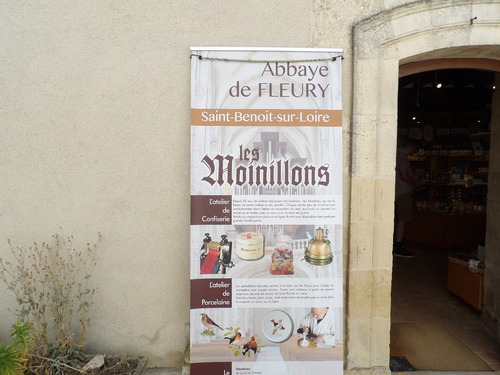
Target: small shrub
[51, 282]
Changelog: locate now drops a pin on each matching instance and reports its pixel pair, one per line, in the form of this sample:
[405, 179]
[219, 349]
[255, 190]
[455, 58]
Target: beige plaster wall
[94, 137]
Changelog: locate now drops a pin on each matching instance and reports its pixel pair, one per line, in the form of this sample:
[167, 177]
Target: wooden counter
[466, 283]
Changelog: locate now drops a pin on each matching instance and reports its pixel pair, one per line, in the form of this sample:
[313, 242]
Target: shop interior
[441, 288]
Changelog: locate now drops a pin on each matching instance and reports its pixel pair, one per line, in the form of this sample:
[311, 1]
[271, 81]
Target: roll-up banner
[266, 212]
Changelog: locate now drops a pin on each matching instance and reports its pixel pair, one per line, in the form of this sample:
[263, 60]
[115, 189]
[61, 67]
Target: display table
[445, 230]
[466, 283]
[217, 350]
[292, 351]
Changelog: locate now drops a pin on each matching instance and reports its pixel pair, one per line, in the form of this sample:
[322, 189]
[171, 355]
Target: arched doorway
[436, 298]
[412, 33]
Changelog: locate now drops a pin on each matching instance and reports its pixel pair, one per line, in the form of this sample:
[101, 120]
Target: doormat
[431, 347]
[400, 363]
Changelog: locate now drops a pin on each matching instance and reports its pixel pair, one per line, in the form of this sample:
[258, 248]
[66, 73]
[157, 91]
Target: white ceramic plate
[277, 326]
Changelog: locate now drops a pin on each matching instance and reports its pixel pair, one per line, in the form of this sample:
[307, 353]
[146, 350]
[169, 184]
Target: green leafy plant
[22, 338]
[10, 362]
[14, 356]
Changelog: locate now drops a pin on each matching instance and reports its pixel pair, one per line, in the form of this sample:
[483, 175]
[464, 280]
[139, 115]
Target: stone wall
[418, 31]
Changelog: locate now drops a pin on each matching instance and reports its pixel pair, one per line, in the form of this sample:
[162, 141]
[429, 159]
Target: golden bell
[319, 252]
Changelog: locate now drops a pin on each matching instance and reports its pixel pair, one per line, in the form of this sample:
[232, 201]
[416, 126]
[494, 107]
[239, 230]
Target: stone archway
[416, 32]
